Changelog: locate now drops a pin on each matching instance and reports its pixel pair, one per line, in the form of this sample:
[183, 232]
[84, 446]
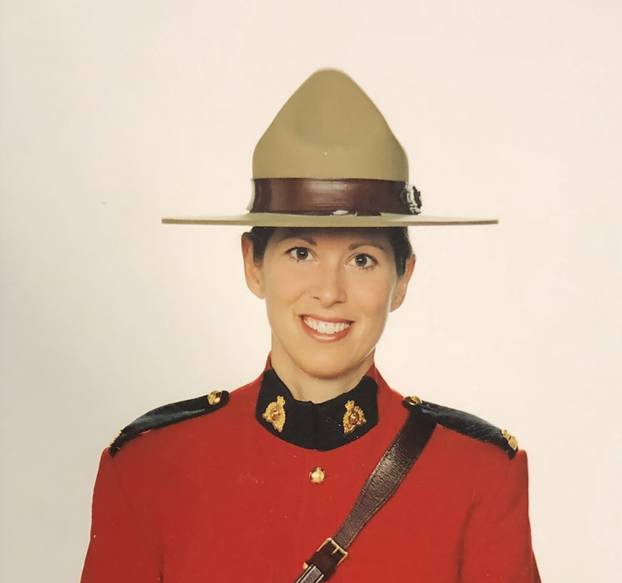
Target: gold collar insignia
[353, 417]
[275, 413]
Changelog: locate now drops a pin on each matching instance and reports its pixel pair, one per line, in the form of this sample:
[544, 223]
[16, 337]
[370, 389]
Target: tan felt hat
[329, 159]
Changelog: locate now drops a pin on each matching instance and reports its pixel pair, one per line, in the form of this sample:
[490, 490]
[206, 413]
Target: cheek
[282, 287]
[374, 300]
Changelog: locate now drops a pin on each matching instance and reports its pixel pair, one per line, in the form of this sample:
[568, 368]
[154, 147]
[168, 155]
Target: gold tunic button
[317, 475]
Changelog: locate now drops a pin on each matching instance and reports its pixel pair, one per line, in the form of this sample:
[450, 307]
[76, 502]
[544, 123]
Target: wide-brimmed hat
[329, 159]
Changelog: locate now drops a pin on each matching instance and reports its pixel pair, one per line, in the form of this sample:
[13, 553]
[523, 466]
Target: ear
[252, 272]
[399, 293]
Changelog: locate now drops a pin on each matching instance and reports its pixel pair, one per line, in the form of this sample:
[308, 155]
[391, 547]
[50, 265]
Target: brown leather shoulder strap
[382, 483]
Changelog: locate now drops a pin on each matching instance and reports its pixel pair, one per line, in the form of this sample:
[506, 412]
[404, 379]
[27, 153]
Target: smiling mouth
[326, 328]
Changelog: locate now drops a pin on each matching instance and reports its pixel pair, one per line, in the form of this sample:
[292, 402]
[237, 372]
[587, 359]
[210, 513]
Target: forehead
[317, 234]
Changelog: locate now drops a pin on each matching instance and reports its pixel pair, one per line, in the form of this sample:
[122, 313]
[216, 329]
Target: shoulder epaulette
[466, 424]
[169, 414]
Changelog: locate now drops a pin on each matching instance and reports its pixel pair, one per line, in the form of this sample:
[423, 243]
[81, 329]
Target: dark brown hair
[398, 237]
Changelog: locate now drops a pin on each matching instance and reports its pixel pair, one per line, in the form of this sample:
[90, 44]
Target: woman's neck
[307, 385]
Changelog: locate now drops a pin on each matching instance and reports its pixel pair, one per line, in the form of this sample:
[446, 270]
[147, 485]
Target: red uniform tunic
[227, 497]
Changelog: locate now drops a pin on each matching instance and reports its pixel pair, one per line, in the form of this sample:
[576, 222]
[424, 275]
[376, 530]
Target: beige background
[114, 114]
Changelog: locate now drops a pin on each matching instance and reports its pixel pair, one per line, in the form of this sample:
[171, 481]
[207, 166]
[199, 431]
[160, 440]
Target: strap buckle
[336, 549]
[325, 560]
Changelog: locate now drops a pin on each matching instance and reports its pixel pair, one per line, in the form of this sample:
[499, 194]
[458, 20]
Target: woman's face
[328, 293]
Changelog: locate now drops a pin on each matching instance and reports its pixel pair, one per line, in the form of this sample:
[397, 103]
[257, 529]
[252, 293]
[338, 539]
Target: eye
[364, 261]
[299, 253]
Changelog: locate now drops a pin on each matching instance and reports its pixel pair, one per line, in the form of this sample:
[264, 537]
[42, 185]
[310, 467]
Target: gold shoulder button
[512, 441]
[214, 397]
[413, 400]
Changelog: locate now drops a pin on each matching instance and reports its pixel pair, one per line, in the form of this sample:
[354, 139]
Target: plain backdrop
[115, 114]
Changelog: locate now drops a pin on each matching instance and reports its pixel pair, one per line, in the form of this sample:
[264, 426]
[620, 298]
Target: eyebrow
[351, 247]
[363, 243]
[309, 240]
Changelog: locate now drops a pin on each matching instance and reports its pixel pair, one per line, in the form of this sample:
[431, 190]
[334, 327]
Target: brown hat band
[361, 196]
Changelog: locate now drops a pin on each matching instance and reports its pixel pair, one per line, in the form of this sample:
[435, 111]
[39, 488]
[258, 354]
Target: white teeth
[326, 327]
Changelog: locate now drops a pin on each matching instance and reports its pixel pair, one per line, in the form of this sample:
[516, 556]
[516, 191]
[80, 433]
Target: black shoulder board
[169, 414]
[466, 424]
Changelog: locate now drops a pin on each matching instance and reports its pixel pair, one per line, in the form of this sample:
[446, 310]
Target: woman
[245, 486]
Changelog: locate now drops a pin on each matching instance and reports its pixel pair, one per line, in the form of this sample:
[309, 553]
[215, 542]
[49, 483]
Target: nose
[329, 286]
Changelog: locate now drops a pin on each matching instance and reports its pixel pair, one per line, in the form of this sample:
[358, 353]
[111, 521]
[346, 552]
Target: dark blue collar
[320, 426]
